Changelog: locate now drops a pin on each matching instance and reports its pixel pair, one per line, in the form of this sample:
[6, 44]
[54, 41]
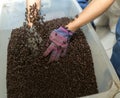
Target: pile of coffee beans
[29, 75]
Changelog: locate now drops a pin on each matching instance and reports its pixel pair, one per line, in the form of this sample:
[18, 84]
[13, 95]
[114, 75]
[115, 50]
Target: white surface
[107, 38]
[12, 10]
[105, 74]
[4, 39]
[117, 95]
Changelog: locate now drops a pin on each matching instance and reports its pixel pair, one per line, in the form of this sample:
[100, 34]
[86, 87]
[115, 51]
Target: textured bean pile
[30, 76]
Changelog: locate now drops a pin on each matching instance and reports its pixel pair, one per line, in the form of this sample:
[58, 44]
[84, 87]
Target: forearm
[30, 3]
[93, 10]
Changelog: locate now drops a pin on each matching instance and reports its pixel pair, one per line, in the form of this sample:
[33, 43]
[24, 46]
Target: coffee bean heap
[30, 76]
[38, 22]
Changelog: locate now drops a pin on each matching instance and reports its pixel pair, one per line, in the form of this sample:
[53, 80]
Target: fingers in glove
[58, 54]
[48, 43]
[49, 49]
[63, 53]
[53, 56]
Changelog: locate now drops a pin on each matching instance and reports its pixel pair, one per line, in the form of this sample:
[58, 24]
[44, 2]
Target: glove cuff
[66, 30]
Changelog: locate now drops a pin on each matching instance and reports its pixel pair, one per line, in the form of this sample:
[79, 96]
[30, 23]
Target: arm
[93, 10]
[30, 3]
[60, 37]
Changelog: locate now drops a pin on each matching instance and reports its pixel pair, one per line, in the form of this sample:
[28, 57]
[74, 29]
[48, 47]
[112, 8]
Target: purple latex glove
[59, 39]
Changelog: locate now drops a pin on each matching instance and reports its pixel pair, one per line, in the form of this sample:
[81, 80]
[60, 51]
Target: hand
[59, 39]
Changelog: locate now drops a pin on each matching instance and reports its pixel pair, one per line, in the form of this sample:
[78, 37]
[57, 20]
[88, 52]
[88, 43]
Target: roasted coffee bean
[29, 75]
[66, 77]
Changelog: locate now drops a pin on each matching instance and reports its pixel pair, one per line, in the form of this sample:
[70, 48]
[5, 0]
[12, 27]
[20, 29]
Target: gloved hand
[59, 39]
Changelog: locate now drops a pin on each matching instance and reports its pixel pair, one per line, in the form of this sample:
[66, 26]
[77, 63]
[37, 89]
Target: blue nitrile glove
[115, 58]
[83, 3]
[59, 39]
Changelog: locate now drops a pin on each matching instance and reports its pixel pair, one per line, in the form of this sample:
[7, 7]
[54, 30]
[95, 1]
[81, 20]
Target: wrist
[66, 31]
[72, 27]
